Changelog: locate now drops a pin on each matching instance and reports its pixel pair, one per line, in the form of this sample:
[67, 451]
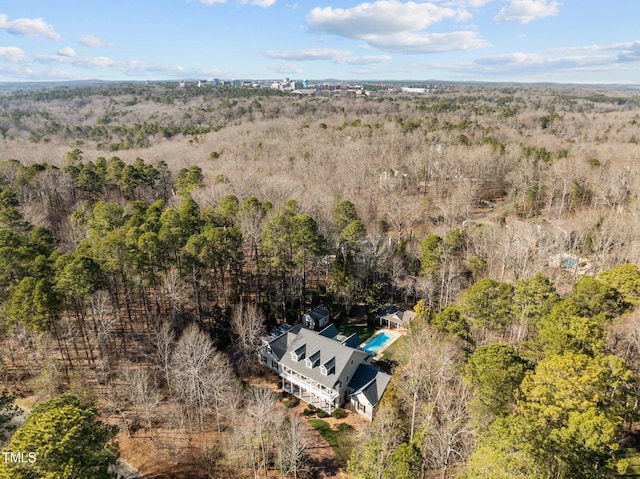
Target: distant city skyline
[567, 41]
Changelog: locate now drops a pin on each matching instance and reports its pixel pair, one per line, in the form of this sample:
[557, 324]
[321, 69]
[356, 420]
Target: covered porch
[309, 391]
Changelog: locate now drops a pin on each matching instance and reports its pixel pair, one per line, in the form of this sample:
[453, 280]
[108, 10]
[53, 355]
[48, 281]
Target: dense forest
[150, 234]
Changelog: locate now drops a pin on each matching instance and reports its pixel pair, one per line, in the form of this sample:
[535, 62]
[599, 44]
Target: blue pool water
[377, 342]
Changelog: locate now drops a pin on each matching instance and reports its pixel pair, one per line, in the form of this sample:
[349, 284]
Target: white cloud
[466, 3]
[138, 68]
[29, 27]
[91, 41]
[463, 15]
[134, 68]
[382, 17]
[339, 57]
[511, 59]
[630, 53]
[67, 52]
[520, 62]
[12, 55]
[260, 3]
[477, 3]
[396, 26]
[84, 62]
[626, 52]
[427, 42]
[595, 48]
[308, 54]
[287, 69]
[18, 72]
[567, 62]
[365, 60]
[525, 11]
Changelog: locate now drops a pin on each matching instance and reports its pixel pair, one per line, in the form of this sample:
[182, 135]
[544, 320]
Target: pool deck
[394, 333]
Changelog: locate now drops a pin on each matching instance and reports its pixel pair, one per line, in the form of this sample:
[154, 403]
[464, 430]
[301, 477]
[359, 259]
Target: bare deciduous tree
[260, 411]
[105, 329]
[448, 435]
[174, 288]
[247, 325]
[292, 446]
[142, 393]
[200, 375]
[164, 340]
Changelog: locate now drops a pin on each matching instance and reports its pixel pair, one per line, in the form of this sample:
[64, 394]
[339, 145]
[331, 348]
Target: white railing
[329, 397]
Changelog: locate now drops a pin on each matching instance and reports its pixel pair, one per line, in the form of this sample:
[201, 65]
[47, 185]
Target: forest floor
[323, 458]
[155, 459]
[172, 454]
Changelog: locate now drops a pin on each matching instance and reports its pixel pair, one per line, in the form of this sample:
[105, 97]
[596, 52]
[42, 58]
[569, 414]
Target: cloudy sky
[583, 41]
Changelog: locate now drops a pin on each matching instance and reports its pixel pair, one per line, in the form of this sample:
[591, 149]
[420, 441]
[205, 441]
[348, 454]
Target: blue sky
[582, 41]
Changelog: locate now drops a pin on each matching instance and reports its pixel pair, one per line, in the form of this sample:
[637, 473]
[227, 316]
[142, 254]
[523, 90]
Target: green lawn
[394, 352]
[363, 330]
[342, 443]
[634, 463]
[324, 428]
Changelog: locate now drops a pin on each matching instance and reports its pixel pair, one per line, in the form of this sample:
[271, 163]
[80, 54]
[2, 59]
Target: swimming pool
[570, 262]
[377, 342]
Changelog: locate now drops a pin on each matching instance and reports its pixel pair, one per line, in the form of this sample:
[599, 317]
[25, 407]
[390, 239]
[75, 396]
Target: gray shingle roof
[280, 344]
[369, 381]
[353, 341]
[318, 312]
[397, 315]
[328, 350]
[329, 332]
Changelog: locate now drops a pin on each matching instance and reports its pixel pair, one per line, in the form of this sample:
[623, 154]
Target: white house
[324, 368]
[317, 318]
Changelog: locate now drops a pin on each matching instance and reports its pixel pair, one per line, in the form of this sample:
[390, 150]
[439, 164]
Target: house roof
[318, 312]
[397, 315]
[280, 344]
[352, 341]
[369, 381]
[329, 332]
[335, 356]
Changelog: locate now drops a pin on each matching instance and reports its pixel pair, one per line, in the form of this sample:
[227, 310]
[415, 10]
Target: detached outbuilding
[395, 317]
[317, 318]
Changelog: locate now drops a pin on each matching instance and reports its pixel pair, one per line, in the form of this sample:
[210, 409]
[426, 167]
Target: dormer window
[313, 360]
[329, 367]
[298, 354]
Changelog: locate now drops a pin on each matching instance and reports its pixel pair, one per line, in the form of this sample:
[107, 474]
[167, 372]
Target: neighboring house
[394, 179]
[395, 317]
[324, 368]
[317, 318]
